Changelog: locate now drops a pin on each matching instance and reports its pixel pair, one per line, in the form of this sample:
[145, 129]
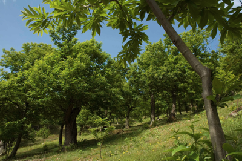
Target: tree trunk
[2, 147]
[192, 109]
[186, 107]
[172, 116]
[74, 132]
[215, 128]
[70, 127]
[110, 118]
[15, 149]
[127, 119]
[60, 135]
[152, 104]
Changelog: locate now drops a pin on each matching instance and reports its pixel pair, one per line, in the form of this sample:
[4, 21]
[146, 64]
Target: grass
[135, 144]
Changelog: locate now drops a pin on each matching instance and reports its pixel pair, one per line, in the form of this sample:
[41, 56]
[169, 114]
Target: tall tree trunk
[152, 112]
[127, 119]
[15, 149]
[172, 116]
[60, 134]
[215, 128]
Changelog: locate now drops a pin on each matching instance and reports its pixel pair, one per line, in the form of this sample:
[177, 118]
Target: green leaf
[223, 35]
[230, 98]
[204, 18]
[214, 31]
[28, 12]
[45, 31]
[227, 147]
[27, 23]
[78, 20]
[181, 148]
[105, 2]
[32, 10]
[142, 15]
[194, 156]
[228, 2]
[211, 97]
[235, 153]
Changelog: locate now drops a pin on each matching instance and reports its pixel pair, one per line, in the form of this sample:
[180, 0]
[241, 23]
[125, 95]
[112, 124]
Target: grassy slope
[135, 144]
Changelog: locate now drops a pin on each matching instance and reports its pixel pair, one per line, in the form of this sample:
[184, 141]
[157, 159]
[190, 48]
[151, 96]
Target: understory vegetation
[140, 142]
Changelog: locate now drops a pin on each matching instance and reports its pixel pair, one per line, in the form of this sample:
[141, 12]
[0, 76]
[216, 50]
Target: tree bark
[127, 119]
[70, 127]
[74, 132]
[172, 116]
[60, 134]
[2, 147]
[152, 113]
[215, 128]
[15, 149]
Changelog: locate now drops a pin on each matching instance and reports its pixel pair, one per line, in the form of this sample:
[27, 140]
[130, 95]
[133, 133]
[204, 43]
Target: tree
[19, 103]
[72, 79]
[121, 14]
[150, 64]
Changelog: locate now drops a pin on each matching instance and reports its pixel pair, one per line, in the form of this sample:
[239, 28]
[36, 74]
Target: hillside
[137, 143]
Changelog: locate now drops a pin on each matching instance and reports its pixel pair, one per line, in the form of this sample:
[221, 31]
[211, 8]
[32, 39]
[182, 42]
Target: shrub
[43, 132]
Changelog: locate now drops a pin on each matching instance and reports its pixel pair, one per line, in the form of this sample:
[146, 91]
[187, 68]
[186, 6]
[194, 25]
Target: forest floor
[139, 143]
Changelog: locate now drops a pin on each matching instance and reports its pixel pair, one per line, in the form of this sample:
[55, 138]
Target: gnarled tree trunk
[70, 127]
[215, 128]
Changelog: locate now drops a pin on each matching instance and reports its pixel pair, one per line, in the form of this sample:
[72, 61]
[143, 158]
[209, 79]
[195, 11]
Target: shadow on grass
[37, 153]
[85, 145]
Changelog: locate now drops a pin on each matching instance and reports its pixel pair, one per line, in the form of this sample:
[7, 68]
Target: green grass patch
[137, 143]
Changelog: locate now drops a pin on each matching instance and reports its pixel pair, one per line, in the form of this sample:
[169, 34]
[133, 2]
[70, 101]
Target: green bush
[43, 132]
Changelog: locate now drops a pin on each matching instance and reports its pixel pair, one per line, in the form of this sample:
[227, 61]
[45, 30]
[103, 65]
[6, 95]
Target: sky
[14, 33]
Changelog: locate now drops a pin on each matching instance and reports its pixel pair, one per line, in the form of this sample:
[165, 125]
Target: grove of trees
[75, 82]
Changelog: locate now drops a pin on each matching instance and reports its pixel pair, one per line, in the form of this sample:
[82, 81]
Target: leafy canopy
[123, 15]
